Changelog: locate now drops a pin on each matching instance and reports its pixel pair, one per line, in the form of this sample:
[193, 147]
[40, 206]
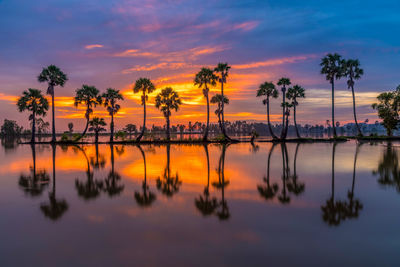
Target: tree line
[333, 67]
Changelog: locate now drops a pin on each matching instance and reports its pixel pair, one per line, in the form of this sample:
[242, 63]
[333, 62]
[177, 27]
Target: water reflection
[222, 212]
[91, 188]
[98, 161]
[268, 191]
[146, 197]
[388, 170]
[168, 184]
[112, 184]
[36, 181]
[54, 208]
[204, 203]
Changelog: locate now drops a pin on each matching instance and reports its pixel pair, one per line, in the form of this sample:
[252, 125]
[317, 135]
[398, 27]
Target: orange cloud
[92, 46]
[246, 26]
[273, 62]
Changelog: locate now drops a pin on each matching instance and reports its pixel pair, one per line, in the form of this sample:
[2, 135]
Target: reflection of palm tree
[294, 186]
[206, 205]
[332, 212]
[98, 161]
[283, 197]
[223, 212]
[388, 169]
[269, 191]
[353, 206]
[168, 185]
[34, 183]
[148, 197]
[111, 185]
[91, 188]
[55, 208]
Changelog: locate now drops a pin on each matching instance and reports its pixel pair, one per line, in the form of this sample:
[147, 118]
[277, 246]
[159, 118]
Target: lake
[319, 204]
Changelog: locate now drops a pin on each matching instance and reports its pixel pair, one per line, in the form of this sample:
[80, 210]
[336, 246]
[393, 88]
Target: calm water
[195, 205]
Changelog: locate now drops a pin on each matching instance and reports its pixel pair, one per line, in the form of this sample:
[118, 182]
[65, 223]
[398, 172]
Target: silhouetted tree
[218, 99]
[110, 102]
[54, 77]
[332, 68]
[166, 101]
[268, 90]
[284, 82]
[96, 126]
[33, 101]
[293, 94]
[146, 198]
[144, 86]
[204, 78]
[223, 69]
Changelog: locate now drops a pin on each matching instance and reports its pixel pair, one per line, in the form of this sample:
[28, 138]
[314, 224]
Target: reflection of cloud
[92, 46]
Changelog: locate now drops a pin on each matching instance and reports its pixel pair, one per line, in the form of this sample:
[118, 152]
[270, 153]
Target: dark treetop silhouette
[166, 101]
[268, 90]
[110, 98]
[144, 86]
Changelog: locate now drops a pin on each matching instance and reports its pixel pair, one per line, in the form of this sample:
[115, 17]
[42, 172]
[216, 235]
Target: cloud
[92, 46]
[274, 62]
[246, 26]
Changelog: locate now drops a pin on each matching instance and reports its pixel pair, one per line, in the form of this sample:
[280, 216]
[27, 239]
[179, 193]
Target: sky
[113, 43]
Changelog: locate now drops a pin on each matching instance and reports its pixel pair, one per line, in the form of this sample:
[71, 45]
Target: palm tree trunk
[354, 111]
[294, 119]
[86, 127]
[168, 135]
[33, 128]
[283, 112]
[333, 108]
[269, 122]
[53, 136]
[96, 137]
[144, 119]
[205, 136]
[112, 128]
[222, 111]
[286, 125]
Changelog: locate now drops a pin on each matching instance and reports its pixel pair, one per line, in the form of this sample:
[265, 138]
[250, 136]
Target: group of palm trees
[32, 100]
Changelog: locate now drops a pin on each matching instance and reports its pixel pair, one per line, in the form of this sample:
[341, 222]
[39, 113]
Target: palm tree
[110, 102]
[269, 191]
[144, 86]
[169, 185]
[148, 197]
[55, 208]
[34, 183]
[268, 90]
[166, 101]
[204, 78]
[353, 72]
[130, 128]
[206, 205]
[54, 77]
[332, 68]
[111, 185]
[293, 94]
[284, 82]
[222, 69]
[96, 126]
[32, 100]
[89, 97]
[219, 99]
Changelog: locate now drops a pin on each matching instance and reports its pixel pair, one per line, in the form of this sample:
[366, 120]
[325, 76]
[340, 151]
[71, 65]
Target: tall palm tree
[55, 208]
[32, 100]
[204, 78]
[146, 198]
[54, 77]
[206, 205]
[332, 68]
[166, 101]
[284, 82]
[96, 126]
[144, 86]
[293, 94]
[89, 97]
[268, 90]
[219, 99]
[268, 191]
[111, 183]
[353, 72]
[223, 70]
[110, 102]
[169, 185]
